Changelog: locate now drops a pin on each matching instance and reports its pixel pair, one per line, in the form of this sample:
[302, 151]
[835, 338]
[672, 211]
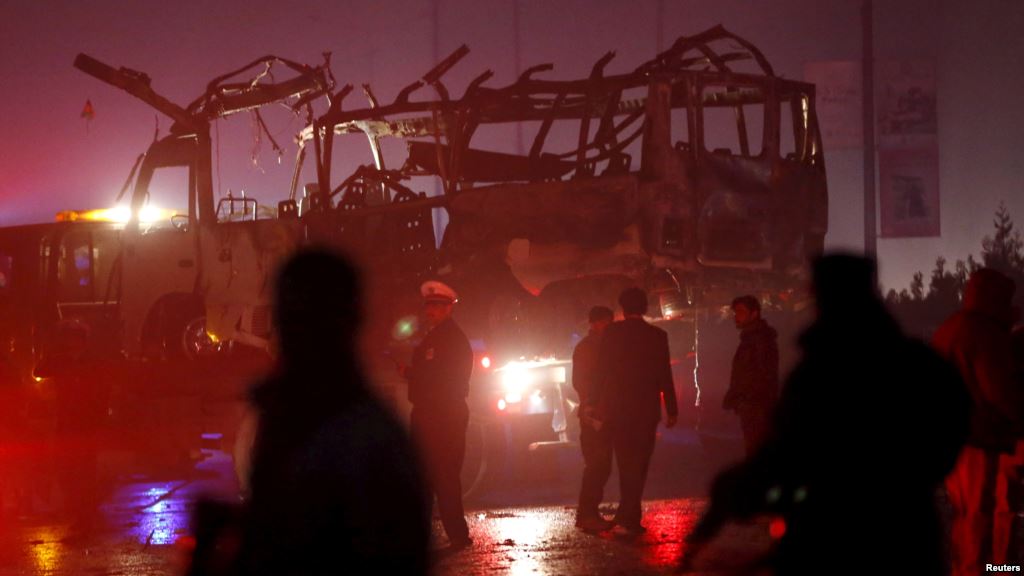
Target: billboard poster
[909, 192]
[839, 102]
[907, 113]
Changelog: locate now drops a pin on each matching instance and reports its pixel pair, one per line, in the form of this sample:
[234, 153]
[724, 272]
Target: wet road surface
[522, 522]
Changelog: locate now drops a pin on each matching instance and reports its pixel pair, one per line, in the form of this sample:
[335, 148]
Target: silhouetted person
[595, 440]
[977, 340]
[867, 426]
[1015, 466]
[438, 385]
[633, 374]
[335, 482]
[754, 383]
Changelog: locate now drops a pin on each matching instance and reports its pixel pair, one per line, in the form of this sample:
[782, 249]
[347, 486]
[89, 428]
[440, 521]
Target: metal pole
[868, 73]
[435, 19]
[518, 66]
[659, 23]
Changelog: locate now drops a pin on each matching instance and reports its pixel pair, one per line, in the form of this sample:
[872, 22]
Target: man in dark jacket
[595, 441]
[977, 340]
[633, 375]
[754, 384]
[438, 385]
[335, 481]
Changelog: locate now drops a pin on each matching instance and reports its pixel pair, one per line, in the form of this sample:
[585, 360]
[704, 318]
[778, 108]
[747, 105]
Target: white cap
[434, 291]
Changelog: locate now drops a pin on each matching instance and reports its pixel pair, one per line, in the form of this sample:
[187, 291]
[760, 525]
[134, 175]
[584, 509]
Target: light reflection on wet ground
[46, 547]
[513, 541]
[159, 518]
[544, 540]
[133, 532]
[141, 521]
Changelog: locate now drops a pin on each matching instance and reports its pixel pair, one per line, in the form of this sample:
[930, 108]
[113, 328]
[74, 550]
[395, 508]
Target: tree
[921, 312]
[1004, 250]
[916, 287]
[947, 288]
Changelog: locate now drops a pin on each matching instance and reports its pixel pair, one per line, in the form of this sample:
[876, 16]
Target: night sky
[50, 159]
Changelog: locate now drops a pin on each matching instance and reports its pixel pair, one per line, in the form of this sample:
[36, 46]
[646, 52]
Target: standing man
[977, 341]
[754, 384]
[634, 374]
[438, 386]
[595, 442]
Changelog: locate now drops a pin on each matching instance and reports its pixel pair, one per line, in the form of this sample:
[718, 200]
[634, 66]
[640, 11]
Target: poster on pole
[907, 113]
[839, 102]
[909, 192]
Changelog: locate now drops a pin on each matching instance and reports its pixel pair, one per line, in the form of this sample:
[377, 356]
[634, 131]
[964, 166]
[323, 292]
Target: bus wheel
[196, 341]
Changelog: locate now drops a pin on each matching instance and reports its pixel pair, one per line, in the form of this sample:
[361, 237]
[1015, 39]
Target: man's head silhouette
[845, 285]
[317, 307]
[633, 302]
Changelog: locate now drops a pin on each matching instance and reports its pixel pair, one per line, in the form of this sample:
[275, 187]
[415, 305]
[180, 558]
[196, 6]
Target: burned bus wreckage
[687, 176]
[698, 175]
[684, 176]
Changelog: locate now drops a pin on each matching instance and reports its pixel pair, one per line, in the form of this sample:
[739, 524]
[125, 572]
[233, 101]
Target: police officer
[438, 386]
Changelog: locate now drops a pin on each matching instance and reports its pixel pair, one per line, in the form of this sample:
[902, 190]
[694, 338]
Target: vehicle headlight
[558, 374]
[515, 379]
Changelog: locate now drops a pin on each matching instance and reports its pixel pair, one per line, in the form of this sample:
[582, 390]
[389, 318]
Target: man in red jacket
[977, 340]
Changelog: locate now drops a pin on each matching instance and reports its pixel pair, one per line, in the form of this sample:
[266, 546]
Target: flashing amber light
[122, 214]
[485, 361]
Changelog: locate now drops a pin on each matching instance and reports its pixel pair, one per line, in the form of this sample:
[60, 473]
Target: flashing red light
[186, 543]
[502, 404]
[485, 361]
[777, 528]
